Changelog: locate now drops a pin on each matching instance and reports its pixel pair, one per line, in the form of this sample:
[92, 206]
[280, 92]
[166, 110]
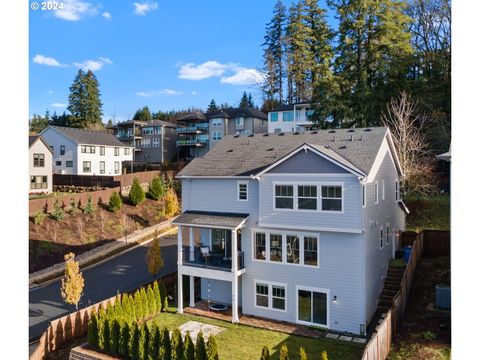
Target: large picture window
[260, 246]
[284, 196]
[307, 197]
[331, 198]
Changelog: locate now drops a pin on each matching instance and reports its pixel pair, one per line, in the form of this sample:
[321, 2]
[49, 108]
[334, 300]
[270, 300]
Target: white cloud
[46, 60]
[58, 105]
[194, 92]
[166, 92]
[107, 15]
[74, 10]
[50, 91]
[93, 65]
[206, 70]
[243, 76]
[142, 8]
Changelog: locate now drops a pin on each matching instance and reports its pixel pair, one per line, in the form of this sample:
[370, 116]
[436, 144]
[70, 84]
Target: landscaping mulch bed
[80, 232]
[425, 334]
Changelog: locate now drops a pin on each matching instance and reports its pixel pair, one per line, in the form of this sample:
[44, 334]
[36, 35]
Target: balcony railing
[198, 128]
[192, 142]
[215, 261]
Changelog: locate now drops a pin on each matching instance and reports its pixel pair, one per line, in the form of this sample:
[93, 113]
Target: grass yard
[244, 342]
[432, 213]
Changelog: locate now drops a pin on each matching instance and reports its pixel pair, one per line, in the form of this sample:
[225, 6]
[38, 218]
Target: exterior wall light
[335, 299]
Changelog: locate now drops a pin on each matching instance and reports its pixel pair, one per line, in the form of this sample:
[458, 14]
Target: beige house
[40, 165]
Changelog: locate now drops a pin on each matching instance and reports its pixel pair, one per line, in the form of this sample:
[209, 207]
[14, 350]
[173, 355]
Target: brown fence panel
[84, 180]
[436, 243]
[142, 176]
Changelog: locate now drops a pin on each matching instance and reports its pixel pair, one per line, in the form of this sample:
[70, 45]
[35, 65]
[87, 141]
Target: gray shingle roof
[91, 137]
[33, 138]
[238, 112]
[204, 218]
[248, 155]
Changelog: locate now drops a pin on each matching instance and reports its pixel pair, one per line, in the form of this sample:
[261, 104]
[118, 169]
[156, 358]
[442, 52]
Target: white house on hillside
[86, 152]
[40, 165]
[290, 118]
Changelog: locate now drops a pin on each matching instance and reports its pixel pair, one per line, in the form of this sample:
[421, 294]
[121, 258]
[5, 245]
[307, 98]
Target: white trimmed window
[117, 151]
[261, 294]
[270, 295]
[307, 197]
[397, 190]
[116, 167]
[332, 198]
[383, 189]
[388, 234]
[156, 142]
[260, 246]
[102, 150]
[126, 151]
[381, 237]
[239, 122]
[242, 191]
[310, 250]
[217, 135]
[375, 193]
[216, 122]
[283, 196]
[276, 247]
[102, 167]
[364, 195]
[87, 166]
[146, 142]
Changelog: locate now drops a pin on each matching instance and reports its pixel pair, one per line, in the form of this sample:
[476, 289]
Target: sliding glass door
[312, 307]
[222, 242]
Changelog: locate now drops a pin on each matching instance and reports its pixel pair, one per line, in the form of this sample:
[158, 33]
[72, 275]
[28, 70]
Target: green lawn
[245, 342]
[432, 213]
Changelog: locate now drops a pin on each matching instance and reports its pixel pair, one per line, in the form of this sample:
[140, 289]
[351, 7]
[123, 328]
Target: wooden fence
[379, 345]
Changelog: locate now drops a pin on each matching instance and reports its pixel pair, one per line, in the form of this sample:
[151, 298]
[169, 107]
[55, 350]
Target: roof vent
[334, 138]
[236, 136]
[314, 132]
[342, 147]
[361, 137]
[351, 137]
[270, 149]
[281, 134]
[368, 129]
[350, 130]
[251, 135]
[231, 150]
[332, 131]
[296, 133]
[265, 134]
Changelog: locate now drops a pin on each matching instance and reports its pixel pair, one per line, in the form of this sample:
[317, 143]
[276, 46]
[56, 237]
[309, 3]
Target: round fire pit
[218, 307]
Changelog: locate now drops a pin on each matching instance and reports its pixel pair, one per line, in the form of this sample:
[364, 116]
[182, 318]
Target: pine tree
[212, 351]
[243, 101]
[143, 341]
[137, 298]
[212, 107]
[136, 194]
[177, 345]
[124, 341]
[114, 336]
[152, 305]
[143, 114]
[158, 296]
[115, 202]
[134, 343]
[200, 350]
[92, 331]
[302, 355]
[265, 354]
[104, 338]
[250, 102]
[284, 353]
[144, 297]
[154, 343]
[166, 344]
[188, 347]
[72, 281]
[84, 100]
[154, 257]
[157, 188]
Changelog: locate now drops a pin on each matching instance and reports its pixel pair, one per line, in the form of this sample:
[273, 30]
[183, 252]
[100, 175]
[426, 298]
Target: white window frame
[270, 285]
[375, 192]
[383, 189]
[116, 167]
[102, 150]
[312, 289]
[216, 122]
[301, 235]
[239, 122]
[116, 151]
[275, 184]
[239, 191]
[397, 190]
[306, 197]
[217, 135]
[321, 198]
[364, 195]
[271, 116]
[381, 237]
[155, 142]
[387, 234]
[100, 167]
[83, 167]
[126, 151]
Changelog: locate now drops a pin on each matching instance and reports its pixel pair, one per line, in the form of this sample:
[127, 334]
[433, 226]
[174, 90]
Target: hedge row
[284, 355]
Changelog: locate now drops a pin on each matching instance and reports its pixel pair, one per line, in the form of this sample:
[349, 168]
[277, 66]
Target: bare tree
[101, 214]
[80, 228]
[406, 123]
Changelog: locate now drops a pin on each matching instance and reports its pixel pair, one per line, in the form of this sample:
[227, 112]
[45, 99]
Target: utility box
[442, 299]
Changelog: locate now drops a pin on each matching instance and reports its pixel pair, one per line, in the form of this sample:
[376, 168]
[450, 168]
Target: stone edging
[96, 253]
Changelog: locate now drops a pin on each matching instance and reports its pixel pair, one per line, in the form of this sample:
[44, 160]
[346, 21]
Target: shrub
[157, 188]
[177, 345]
[170, 204]
[166, 344]
[324, 355]
[124, 341]
[133, 345]
[115, 202]
[284, 353]
[188, 347]
[90, 206]
[154, 343]
[137, 298]
[200, 350]
[39, 217]
[144, 297]
[114, 336]
[165, 303]
[92, 332]
[136, 195]
[158, 297]
[152, 304]
[212, 352]
[73, 207]
[143, 340]
[163, 296]
[104, 336]
[265, 354]
[302, 355]
[57, 213]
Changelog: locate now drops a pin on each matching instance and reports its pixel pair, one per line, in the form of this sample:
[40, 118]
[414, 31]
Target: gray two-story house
[297, 227]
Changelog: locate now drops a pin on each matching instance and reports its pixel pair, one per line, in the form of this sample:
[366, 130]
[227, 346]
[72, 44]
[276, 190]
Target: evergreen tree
[154, 343]
[115, 202]
[37, 123]
[144, 297]
[163, 295]
[84, 100]
[136, 194]
[250, 102]
[104, 338]
[137, 298]
[200, 349]
[302, 355]
[188, 347]
[324, 355]
[92, 331]
[284, 353]
[265, 354]
[274, 55]
[110, 123]
[212, 107]
[152, 305]
[143, 341]
[166, 344]
[134, 343]
[158, 296]
[243, 101]
[212, 352]
[177, 345]
[157, 188]
[114, 336]
[124, 341]
[143, 114]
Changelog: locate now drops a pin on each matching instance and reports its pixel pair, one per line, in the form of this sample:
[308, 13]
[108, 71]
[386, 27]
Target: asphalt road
[122, 273]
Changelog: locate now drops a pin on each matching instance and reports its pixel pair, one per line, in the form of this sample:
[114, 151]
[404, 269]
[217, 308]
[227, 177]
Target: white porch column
[192, 250]
[192, 291]
[235, 278]
[180, 246]
[180, 293]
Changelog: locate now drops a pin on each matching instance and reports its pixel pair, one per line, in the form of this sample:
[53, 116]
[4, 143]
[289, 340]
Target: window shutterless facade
[332, 198]
[38, 160]
[217, 135]
[260, 246]
[307, 197]
[116, 167]
[87, 149]
[381, 237]
[270, 295]
[102, 150]
[293, 249]
[87, 166]
[62, 149]
[102, 167]
[117, 151]
[274, 116]
[216, 122]
[239, 122]
[156, 142]
[69, 163]
[283, 196]
[58, 163]
[242, 190]
[38, 182]
[287, 116]
[261, 294]
[276, 247]
[126, 151]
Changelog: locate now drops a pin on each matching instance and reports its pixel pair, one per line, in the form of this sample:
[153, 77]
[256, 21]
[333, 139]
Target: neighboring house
[290, 118]
[40, 165]
[296, 227]
[154, 141]
[201, 132]
[86, 152]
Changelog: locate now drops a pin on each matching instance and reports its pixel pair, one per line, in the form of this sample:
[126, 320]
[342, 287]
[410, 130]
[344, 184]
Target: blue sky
[164, 54]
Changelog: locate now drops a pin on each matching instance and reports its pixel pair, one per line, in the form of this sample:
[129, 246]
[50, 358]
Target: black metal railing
[212, 260]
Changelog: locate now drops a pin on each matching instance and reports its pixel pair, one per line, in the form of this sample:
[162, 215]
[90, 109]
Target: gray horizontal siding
[218, 291]
[307, 163]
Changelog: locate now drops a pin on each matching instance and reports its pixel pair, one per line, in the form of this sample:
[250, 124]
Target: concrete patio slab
[331, 336]
[359, 340]
[194, 327]
[345, 338]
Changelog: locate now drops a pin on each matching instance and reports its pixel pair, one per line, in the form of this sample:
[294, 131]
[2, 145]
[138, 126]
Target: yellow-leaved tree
[72, 281]
[154, 257]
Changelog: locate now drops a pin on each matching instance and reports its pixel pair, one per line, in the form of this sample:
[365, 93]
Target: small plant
[115, 202]
[302, 355]
[157, 188]
[212, 352]
[90, 206]
[265, 354]
[73, 207]
[428, 335]
[284, 353]
[136, 194]
[324, 355]
[200, 349]
[39, 217]
[58, 213]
